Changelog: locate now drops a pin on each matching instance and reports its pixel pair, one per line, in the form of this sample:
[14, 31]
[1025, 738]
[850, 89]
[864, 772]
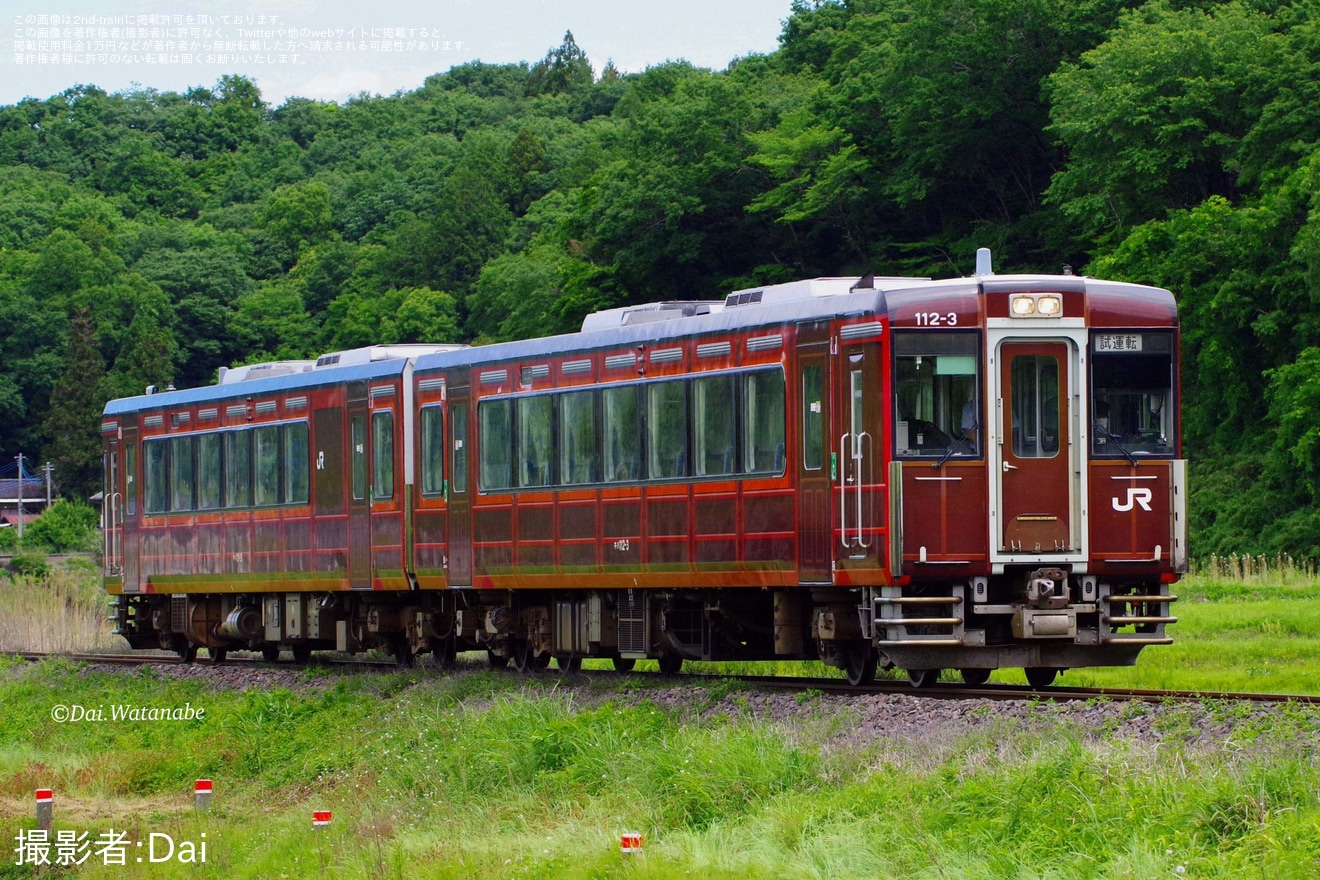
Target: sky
[334, 49]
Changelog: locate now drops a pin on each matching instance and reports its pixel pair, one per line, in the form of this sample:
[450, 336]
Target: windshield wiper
[1113, 438]
[952, 448]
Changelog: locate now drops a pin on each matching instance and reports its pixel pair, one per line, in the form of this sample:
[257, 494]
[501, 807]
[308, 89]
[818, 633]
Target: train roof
[1108, 303]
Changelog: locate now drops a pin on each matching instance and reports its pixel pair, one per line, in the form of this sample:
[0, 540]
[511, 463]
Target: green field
[491, 774]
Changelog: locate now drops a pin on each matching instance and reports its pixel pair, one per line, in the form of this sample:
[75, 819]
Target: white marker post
[630, 843]
[202, 795]
[320, 818]
[45, 809]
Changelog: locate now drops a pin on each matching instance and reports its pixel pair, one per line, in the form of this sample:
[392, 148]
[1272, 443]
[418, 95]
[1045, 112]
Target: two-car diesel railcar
[959, 474]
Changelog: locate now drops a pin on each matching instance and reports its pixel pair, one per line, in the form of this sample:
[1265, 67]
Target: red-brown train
[963, 474]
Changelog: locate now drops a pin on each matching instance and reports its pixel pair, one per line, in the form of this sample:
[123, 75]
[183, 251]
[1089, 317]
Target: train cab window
[621, 433]
[238, 468]
[535, 453]
[714, 437]
[382, 455]
[297, 463]
[764, 421]
[495, 432]
[938, 408]
[1132, 395]
[181, 473]
[433, 451]
[358, 457]
[578, 451]
[157, 478]
[458, 423]
[210, 479]
[266, 460]
[666, 430]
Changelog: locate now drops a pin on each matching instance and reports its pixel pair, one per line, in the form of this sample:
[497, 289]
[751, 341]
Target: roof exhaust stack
[983, 264]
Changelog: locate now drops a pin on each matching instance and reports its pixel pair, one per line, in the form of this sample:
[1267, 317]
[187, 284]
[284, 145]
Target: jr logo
[1139, 496]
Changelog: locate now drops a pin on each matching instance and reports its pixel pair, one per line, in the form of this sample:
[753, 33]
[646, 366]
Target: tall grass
[62, 610]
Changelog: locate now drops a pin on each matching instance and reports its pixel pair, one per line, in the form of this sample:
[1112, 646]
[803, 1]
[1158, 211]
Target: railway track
[950, 691]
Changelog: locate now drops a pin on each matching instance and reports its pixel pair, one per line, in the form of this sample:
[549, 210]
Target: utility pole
[49, 468]
[20, 495]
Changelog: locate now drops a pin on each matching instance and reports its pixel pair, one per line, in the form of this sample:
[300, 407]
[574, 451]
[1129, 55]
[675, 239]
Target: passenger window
[181, 473]
[297, 466]
[622, 436]
[382, 455]
[765, 419]
[713, 415]
[534, 438]
[433, 451]
[157, 476]
[666, 421]
[130, 478]
[1035, 406]
[209, 476]
[238, 468]
[267, 459]
[1132, 394]
[577, 438]
[495, 434]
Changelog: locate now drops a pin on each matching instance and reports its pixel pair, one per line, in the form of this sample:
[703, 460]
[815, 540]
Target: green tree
[565, 68]
[73, 422]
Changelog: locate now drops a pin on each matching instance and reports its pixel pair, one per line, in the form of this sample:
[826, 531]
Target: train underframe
[1041, 620]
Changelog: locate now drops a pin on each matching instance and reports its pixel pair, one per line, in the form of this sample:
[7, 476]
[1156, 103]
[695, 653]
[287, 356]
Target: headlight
[1023, 306]
[1050, 306]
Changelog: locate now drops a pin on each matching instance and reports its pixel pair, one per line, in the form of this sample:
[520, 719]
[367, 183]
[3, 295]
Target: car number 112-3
[935, 319]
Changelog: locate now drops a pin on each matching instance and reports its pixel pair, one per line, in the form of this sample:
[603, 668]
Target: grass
[64, 611]
[489, 774]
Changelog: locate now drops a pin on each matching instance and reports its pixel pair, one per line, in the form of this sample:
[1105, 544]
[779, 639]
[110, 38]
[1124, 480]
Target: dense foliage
[150, 237]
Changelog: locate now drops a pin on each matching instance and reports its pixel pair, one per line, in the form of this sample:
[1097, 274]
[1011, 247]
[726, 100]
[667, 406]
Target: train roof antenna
[866, 282]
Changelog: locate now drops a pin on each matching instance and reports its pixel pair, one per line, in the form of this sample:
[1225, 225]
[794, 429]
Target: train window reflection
[297, 467]
[764, 420]
[209, 476]
[713, 430]
[622, 438]
[157, 477]
[181, 473]
[238, 468]
[577, 438]
[666, 421]
[266, 457]
[433, 451]
[534, 438]
[382, 455]
[495, 428]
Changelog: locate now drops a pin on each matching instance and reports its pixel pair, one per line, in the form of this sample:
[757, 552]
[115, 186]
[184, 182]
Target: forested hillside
[149, 237]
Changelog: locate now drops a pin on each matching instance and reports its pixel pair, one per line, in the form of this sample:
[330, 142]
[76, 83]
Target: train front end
[1038, 496]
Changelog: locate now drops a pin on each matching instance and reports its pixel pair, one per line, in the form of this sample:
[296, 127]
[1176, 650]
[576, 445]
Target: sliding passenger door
[460, 496]
[815, 523]
[359, 504]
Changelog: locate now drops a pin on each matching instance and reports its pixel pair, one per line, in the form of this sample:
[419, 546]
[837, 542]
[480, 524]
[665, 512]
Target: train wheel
[301, 653]
[187, 652]
[859, 664]
[1040, 676]
[624, 664]
[923, 678]
[975, 677]
[525, 658]
[496, 661]
[444, 653]
[217, 655]
[670, 664]
[270, 653]
[402, 652]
